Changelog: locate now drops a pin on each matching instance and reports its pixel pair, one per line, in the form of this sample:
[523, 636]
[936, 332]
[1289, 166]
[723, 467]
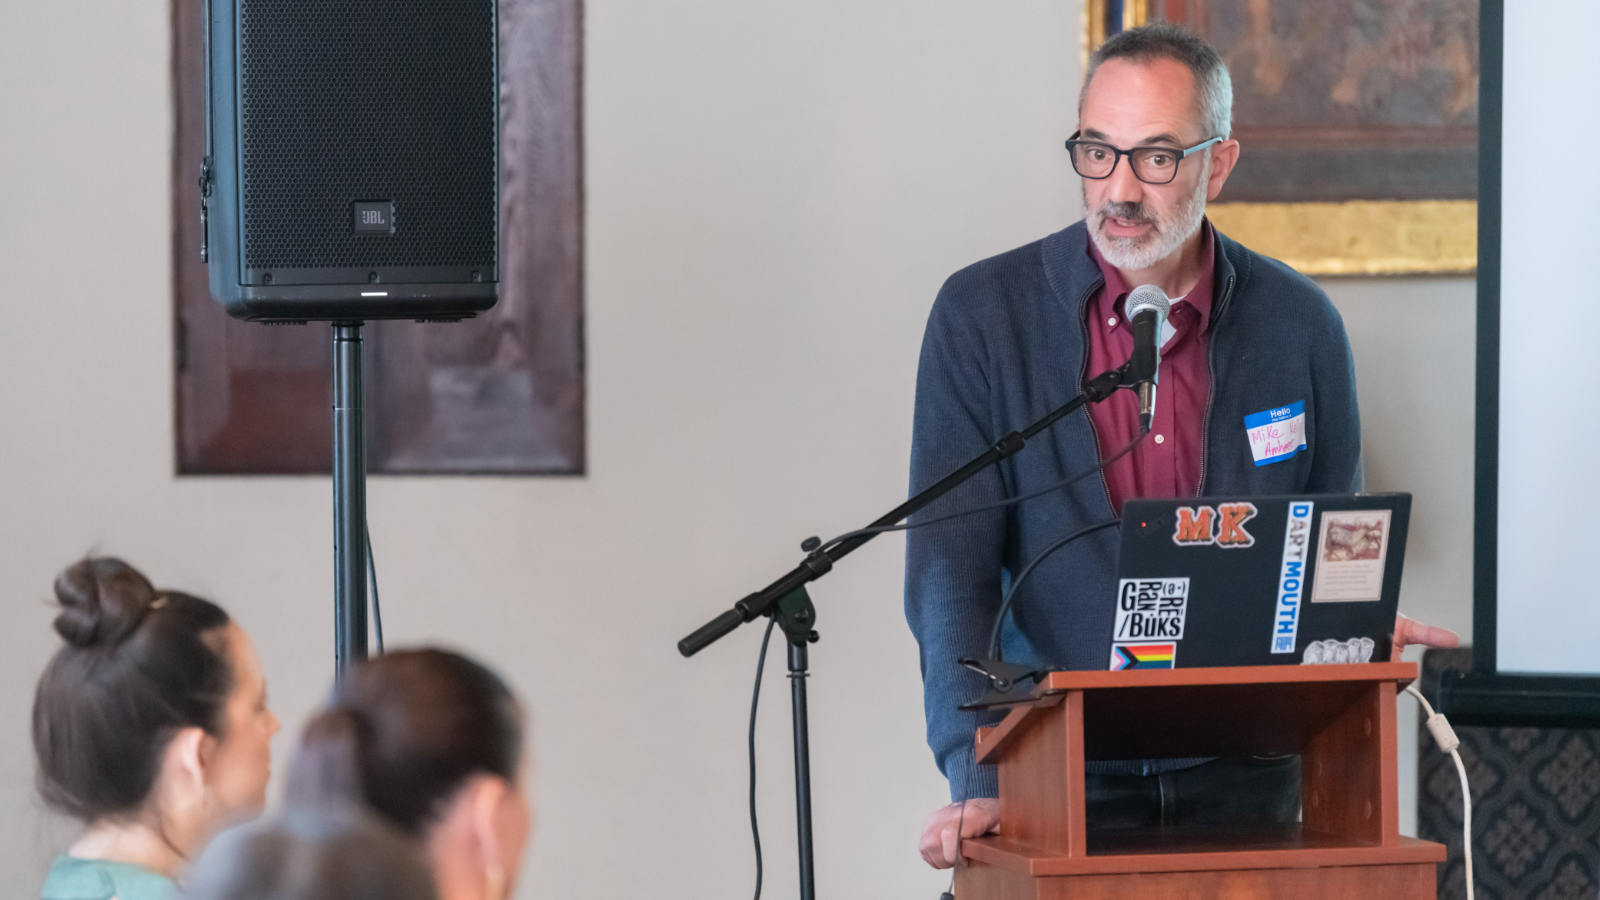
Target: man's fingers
[1434, 636]
[941, 838]
[935, 836]
[1409, 631]
[980, 820]
[929, 846]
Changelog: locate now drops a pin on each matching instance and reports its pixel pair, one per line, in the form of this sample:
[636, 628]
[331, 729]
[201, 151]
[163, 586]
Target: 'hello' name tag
[1277, 434]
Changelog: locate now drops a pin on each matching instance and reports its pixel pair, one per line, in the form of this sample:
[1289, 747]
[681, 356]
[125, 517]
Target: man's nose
[1122, 186]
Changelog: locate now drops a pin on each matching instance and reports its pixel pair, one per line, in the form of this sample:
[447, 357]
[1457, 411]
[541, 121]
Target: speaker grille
[367, 100]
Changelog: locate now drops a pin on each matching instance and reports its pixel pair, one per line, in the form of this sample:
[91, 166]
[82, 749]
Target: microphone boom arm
[818, 562]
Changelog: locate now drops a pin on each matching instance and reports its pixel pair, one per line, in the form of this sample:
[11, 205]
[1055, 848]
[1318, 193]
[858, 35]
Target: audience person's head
[432, 743]
[150, 723]
[326, 853]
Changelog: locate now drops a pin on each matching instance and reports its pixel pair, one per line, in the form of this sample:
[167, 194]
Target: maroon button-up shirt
[1167, 463]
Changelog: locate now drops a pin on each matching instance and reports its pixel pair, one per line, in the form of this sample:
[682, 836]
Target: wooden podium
[1340, 718]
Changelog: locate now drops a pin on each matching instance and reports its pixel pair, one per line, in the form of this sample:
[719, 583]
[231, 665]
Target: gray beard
[1137, 254]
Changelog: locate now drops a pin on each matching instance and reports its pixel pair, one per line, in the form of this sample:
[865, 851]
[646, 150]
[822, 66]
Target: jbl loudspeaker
[352, 165]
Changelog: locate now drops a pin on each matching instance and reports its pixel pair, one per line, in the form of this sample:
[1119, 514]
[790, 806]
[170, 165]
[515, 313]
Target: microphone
[1146, 309]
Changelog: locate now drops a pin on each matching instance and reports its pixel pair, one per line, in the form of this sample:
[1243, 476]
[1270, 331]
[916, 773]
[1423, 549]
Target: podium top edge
[1058, 682]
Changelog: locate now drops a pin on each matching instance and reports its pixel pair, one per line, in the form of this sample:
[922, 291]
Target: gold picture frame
[1330, 236]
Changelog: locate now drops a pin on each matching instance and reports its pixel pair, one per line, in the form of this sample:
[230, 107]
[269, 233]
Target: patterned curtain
[1535, 804]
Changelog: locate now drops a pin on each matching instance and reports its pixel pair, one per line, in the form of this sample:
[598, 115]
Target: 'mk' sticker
[1277, 434]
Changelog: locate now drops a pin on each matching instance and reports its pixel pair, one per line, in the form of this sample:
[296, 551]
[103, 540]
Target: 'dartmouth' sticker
[1292, 576]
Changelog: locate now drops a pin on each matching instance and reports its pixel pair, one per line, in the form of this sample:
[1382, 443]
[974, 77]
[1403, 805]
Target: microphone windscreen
[1147, 297]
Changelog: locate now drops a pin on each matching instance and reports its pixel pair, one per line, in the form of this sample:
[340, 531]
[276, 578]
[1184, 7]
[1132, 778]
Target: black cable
[372, 582]
[961, 820]
[1011, 592]
[998, 504]
[1005, 603]
[755, 700]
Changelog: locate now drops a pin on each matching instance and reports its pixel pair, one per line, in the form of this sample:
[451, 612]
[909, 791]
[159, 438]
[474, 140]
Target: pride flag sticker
[1143, 656]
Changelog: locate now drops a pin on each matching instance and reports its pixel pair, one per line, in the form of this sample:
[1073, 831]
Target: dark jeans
[1246, 792]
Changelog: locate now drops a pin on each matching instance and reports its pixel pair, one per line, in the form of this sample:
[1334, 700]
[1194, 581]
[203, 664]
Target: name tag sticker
[1277, 434]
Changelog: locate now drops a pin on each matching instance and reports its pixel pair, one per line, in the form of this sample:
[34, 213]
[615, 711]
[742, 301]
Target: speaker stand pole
[349, 501]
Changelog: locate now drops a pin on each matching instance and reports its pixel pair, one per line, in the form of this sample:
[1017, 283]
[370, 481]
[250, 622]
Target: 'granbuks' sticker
[1151, 609]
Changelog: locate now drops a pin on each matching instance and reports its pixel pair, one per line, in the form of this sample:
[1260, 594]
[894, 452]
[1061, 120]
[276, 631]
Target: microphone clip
[1105, 384]
[1004, 680]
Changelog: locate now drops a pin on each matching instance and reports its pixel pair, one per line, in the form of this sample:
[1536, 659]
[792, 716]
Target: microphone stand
[787, 601]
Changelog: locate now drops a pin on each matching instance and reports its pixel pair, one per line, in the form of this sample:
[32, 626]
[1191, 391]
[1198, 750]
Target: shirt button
[1112, 321]
[1160, 439]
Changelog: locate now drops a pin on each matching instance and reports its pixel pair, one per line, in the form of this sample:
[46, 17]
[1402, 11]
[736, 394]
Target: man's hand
[1409, 631]
[940, 844]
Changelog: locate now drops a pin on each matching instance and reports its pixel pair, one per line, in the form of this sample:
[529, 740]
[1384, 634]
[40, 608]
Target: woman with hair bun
[150, 725]
[432, 742]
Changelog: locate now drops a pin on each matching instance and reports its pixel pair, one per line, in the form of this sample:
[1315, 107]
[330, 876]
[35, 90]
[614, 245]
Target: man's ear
[1224, 157]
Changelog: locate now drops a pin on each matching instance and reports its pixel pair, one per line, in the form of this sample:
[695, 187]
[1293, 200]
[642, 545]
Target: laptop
[1249, 581]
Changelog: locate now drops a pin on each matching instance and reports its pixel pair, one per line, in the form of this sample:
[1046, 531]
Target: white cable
[1445, 737]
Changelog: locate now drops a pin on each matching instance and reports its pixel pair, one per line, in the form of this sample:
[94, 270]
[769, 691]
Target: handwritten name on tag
[1276, 434]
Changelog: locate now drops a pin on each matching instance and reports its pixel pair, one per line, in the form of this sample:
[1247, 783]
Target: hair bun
[102, 601]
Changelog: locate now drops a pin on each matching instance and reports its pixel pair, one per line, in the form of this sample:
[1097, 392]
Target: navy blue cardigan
[1005, 344]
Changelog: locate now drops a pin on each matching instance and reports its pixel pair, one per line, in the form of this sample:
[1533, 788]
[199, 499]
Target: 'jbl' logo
[374, 217]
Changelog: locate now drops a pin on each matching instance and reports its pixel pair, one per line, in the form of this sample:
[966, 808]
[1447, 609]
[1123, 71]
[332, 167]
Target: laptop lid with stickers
[1248, 581]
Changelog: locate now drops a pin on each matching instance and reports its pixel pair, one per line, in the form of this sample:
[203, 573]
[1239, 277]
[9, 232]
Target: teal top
[72, 878]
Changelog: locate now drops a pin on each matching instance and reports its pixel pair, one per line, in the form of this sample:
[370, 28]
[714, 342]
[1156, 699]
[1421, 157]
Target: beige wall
[774, 194]
[1414, 342]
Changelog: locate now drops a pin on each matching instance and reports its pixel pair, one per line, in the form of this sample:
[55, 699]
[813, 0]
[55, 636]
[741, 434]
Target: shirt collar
[1108, 303]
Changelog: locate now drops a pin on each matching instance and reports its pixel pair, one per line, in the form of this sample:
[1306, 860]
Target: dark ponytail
[403, 732]
[138, 665]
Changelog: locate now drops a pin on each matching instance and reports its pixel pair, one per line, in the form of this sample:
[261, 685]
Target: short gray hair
[1163, 40]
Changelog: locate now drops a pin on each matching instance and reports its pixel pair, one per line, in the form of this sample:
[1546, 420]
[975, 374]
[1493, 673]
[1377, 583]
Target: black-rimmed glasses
[1151, 165]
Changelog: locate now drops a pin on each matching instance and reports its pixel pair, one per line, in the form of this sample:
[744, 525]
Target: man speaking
[1016, 335]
